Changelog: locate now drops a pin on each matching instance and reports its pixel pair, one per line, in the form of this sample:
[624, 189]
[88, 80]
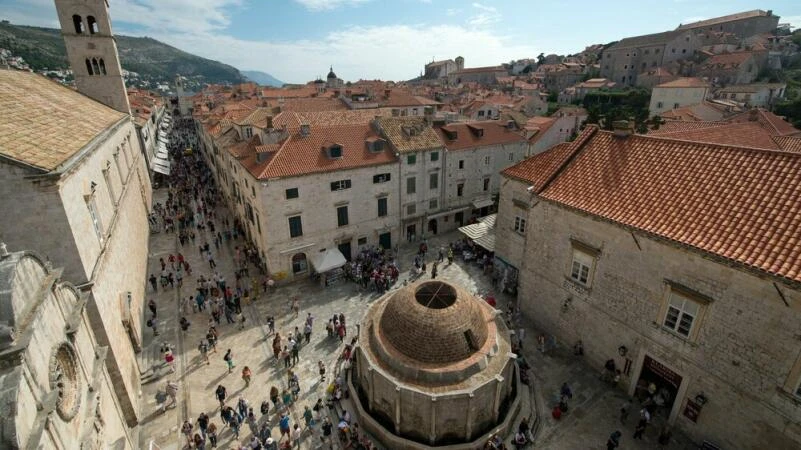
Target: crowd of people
[194, 213]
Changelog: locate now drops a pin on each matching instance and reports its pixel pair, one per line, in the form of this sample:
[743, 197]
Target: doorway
[459, 218]
[432, 226]
[344, 247]
[385, 240]
[657, 386]
[411, 231]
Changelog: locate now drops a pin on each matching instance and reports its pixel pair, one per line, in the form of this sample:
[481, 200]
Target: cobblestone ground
[592, 418]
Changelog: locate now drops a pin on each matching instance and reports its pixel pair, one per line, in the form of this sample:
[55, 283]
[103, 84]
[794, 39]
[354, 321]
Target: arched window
[78, 23]
[95, 66]
[89, 67]
[90, 20]
[102, 66]
[299, 263]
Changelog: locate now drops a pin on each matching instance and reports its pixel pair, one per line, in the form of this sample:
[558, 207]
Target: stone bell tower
[92, 51]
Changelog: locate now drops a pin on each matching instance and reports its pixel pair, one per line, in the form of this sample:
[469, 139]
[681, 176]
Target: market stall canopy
[328, 260]
[483, 232]
[161, 166]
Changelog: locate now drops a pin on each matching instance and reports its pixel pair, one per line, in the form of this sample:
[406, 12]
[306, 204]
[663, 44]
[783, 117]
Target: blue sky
[296, 40]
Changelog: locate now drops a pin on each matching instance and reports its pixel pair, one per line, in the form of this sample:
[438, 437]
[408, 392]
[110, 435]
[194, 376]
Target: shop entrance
[344, 247]
[385, 240]
[657, 386]
[410, 232]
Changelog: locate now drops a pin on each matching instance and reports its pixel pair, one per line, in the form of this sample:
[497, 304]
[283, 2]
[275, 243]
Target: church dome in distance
[434, 323]
[331, 74]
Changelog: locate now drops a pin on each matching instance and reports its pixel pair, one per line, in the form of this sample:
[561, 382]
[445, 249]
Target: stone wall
[746, 343]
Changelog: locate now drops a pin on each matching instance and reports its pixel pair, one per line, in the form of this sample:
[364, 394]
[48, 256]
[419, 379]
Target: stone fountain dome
[434, 323]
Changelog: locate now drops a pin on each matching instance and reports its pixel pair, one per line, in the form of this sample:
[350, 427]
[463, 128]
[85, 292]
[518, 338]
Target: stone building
[733, 68]
[55, 387]
[475, 153]
[743, 24]
[439, 69]
[455, 389]
[629, 57]
[677, 94]
[92, 51]
[75, 178]
[677, 260]
[420, 171]
[481, 75]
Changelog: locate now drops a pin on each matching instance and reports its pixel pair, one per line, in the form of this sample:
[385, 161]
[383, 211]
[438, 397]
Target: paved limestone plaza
[594, 408]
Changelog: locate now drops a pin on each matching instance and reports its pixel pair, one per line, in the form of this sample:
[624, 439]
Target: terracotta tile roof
[788, 143]
[258, 117]
[767, 118]
[687, 82]
[293, 120]
[746, 134]
[740, 204]
[302, 155]
[462, 136]
[305, 91]
[674, 126]
[539, 125]
[397, 98]
[244, 148]
[408, 134]
[727, 60]
[701, 112]
[537, 170]
[313, 104]
[723, 19]
[43, 124]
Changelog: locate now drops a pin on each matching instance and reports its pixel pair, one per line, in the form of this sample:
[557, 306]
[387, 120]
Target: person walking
[186, 429]
[203, 348]
[229, 360]
[321, 367]
[246, 374]
[640, 429]
[171, 389]
[203, 423]
[169, 359]
[220, 393]
[283, 425]
[624, 411]
[212, 434]
[151, 305]
[614, 440]
[434, 270]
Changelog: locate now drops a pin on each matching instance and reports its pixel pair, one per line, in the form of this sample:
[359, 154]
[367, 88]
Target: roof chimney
[623, 128]
[3, 250]
[753, 115]
[305, 129]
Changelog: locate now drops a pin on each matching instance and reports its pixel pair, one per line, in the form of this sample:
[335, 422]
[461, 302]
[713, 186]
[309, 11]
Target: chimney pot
[305, 129]
[623, 128]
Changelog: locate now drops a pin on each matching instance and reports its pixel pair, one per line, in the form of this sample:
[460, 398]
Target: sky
[297, 40]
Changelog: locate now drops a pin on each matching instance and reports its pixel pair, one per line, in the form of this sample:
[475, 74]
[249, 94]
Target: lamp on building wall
[701, 399]
[92, 187]
[622, 350]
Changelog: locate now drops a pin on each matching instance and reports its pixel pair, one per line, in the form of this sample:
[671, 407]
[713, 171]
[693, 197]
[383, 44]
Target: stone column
[496, 405]
[433, 430]
[397, 409]
[470, 416]
[371, 396]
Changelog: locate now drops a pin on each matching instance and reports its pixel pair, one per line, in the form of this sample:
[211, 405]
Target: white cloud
[486, 15]
[199, 27]
[357, 52]
[452, 11]
[324, 5]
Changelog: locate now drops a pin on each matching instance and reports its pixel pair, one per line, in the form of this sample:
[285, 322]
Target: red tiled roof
[684, 83]
[302, 155]
[493, 133]
[537, 170]
[788, 143]
[313, 104]
[674, 126]
[743, 205]
[746, 134]
[767, 118]
[727, 60]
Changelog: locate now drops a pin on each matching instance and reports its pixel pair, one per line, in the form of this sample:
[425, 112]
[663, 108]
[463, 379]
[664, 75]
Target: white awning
[328, 260]
[487, 241]
[474, 230]
[162, 154]
[482, 203]
[160, 165]
[489, 220]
